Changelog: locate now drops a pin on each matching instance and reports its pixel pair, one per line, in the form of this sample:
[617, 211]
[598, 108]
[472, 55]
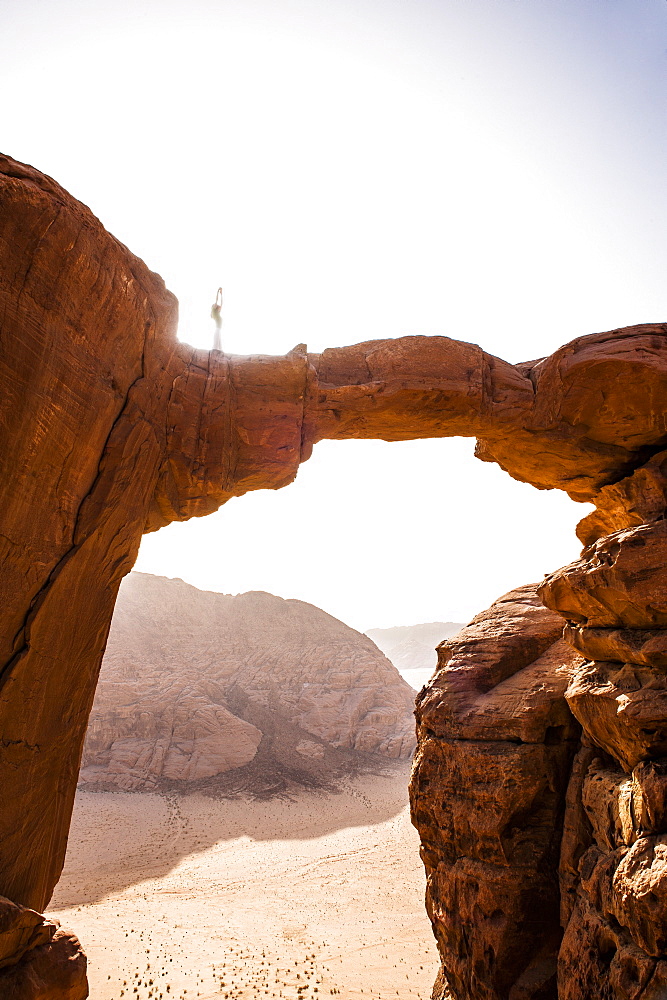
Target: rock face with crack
[188, 674]
[109, 427]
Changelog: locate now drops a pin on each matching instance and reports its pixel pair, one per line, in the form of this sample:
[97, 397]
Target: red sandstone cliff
[109, 427]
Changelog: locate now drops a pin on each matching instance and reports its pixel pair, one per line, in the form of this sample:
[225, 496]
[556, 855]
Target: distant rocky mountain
[250, 692]
[411, 648]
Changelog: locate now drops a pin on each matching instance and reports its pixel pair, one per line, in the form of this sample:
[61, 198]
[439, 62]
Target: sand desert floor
[185, 896]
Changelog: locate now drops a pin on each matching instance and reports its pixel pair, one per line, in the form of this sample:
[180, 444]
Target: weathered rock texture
[189, 678]
[496, 741]
[38, 960]
[605, 865]
[613, 859]
[109, 427]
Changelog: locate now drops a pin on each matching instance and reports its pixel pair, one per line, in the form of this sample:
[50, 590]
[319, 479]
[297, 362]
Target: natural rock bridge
[540, 782]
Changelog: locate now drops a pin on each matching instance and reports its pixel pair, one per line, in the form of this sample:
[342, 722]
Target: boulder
[637, 897]
[618, 583]
[627, 886]
[623, 807]
[503, 676]
[647, 647]
[623, 708]
[53, 971]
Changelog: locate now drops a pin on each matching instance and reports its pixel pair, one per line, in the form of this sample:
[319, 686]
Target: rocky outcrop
[613, 862]
[38, 959]
[607, 867]
[496, 741]
[109, 427]
[189, 678]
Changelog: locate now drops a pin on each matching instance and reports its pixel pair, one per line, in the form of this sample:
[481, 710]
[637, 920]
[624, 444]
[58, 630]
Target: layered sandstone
[607, 868]
[496, 741]
[194, 682]
[613, 860]
[109, 427]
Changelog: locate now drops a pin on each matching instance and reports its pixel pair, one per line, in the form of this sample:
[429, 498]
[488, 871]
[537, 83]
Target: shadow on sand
[120, 839]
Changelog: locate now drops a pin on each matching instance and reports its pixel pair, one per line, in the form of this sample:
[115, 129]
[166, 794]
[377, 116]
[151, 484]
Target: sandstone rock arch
[109, 428]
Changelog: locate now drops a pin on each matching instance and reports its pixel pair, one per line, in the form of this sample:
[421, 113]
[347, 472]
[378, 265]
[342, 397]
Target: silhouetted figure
[216, 309]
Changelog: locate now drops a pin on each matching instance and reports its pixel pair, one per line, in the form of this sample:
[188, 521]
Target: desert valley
[241, 827]
[315, 894]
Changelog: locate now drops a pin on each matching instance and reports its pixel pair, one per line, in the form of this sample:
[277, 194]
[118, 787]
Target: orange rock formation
[38, 960]
[109, 428]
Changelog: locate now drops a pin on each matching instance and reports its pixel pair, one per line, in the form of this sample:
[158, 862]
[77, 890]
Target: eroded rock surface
[609, 828]
[38, 959]
[190, 678]
[496, 741]
[613, 861]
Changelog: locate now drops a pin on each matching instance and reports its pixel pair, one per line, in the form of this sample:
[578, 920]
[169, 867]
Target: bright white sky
[492, 170]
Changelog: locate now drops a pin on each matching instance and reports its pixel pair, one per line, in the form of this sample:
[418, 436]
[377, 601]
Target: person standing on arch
[216, 309]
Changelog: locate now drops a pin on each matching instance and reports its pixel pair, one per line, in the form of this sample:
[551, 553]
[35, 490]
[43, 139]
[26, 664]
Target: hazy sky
[492, 170]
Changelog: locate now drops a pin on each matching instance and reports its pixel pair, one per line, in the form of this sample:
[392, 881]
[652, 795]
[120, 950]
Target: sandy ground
[185, 896]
